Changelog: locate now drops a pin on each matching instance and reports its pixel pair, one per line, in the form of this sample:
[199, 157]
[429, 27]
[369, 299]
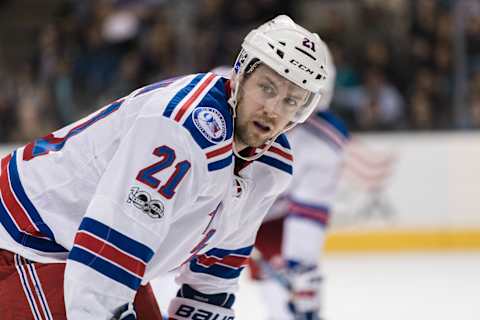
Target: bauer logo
[189, 312]
[210, 123]
[142, 200]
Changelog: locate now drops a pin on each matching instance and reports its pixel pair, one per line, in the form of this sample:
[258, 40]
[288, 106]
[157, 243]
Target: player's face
[267, 104]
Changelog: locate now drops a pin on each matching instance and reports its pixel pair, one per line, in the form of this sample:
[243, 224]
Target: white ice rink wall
[429, 197]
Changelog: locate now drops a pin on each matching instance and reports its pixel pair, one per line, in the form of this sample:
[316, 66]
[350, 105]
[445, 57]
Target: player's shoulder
[334, 121]
[200, 106]
[279, 156]
[328, 127]
[195, 105]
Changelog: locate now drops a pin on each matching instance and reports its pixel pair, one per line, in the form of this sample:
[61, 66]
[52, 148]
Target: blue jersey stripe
[40, 293]
[104, 267]
[157, 85]
[26, 285]
[283, 141]
[43, 145]
[276, 164]
[119, 240]
[220, 253]
[216, 101]
[24, 239]
[216, 270]
[316, 207]
[220, 164]
[335, 122]
[24, 200]
[219, 270]
[104, 113]
[181, 94]
[323, 136]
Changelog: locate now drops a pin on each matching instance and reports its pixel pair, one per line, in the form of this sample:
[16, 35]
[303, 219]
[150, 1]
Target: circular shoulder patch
[210, 123]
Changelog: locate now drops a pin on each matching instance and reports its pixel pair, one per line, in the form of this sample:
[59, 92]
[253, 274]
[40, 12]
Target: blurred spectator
[33, 115]
[380, 106]
[394, 58]
[7, 109]
[474, 101]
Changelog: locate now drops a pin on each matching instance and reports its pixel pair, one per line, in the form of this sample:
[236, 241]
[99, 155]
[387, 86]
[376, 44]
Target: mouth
[262, 127]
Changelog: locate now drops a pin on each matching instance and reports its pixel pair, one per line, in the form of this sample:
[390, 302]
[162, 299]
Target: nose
[270, 107]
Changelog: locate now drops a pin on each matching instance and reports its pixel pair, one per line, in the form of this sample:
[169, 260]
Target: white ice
[406, 286]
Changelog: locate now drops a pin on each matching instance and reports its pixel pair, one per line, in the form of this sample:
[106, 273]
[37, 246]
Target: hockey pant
[32, 290]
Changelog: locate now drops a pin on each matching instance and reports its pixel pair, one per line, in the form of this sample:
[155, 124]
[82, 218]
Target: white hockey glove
[194, 305]
[304, 300]
[125, 312]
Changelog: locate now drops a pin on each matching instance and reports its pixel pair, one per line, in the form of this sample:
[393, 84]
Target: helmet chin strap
[265, 147]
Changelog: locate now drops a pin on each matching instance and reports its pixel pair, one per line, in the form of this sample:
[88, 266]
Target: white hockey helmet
[293, 52]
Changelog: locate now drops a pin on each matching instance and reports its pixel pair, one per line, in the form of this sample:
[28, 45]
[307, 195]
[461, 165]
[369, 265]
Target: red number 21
[167, 155]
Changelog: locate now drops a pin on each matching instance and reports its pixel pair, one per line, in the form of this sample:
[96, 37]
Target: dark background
[401, 64]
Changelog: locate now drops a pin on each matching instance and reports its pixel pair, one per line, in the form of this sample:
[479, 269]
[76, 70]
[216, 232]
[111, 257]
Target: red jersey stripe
[280, 152]
[15, 210]
[231, 261]
[110, 253]
[194, 96]
[219, 151]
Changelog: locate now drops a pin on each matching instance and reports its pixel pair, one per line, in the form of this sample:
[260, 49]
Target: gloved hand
[190, 304]
[304, 300]
[125, 312]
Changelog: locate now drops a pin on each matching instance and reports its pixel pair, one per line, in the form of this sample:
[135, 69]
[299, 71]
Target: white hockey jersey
[318, 146]
[143, 186]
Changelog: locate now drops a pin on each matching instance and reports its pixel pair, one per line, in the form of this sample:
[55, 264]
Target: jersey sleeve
[315, 181]
[310, 198]
[146, 184]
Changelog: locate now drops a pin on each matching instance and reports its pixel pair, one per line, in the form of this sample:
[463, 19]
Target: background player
[292, 236]
[150, 183]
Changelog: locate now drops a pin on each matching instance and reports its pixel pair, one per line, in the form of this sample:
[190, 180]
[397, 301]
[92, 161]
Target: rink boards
[405, 192]
[429, 198]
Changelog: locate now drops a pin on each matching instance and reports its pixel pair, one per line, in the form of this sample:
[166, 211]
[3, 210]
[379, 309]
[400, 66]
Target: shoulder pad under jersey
[201, 107]
[328, 127]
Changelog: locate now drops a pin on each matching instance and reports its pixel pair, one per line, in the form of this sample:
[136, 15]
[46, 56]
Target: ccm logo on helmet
[189, 312]
[302, 66]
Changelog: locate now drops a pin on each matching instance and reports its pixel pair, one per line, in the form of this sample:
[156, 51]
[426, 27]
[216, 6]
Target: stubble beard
[243, 136]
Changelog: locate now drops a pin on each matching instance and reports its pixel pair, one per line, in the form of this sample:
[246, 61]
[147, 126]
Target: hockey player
[292, 236]
[178, 174]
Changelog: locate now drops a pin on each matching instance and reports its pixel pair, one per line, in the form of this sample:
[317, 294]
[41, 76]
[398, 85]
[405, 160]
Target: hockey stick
[267, 268]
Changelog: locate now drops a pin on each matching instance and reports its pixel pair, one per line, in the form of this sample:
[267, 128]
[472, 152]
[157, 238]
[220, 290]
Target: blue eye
[267, 89]
[291, 102]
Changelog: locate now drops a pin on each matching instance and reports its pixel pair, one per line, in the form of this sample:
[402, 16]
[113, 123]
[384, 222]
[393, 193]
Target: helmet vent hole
[319, 76]
[271, 45]
[280, 53]
[304, 81]
[282, 43]
[287, 71]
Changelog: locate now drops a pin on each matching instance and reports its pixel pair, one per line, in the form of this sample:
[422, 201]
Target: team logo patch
[210, 123]
[142, 200]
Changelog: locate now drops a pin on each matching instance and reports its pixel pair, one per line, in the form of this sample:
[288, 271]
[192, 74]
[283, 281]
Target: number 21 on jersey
[167, 158]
